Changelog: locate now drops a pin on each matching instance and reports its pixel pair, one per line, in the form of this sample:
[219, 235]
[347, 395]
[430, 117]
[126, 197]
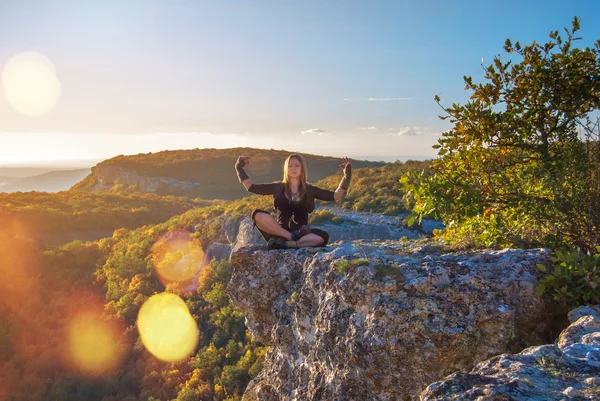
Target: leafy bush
[575, 278]
[515, 169]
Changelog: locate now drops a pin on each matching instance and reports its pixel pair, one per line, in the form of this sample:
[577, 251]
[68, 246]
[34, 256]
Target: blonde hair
[286, 177]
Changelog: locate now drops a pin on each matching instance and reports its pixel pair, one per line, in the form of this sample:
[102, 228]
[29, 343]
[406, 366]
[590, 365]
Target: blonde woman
[293, 198]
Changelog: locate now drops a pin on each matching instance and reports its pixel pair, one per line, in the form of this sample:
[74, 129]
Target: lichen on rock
[386, 326]
[569, 369]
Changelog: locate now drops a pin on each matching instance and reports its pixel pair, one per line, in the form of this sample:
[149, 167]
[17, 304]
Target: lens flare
[30, 84]
[166, 327]
[93, 344]
[177, 259]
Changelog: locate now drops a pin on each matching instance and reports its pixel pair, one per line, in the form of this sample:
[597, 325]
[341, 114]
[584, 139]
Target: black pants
[268, 236]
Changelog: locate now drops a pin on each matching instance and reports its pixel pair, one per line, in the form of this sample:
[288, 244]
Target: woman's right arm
[259, 189]
[241, 162]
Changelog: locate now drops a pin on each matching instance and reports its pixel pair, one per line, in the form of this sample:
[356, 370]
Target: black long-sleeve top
[286, 209]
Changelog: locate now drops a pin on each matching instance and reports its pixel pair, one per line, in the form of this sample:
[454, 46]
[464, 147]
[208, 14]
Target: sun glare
[30, 84]
[166, 327]
[93, 344]
[178, 259]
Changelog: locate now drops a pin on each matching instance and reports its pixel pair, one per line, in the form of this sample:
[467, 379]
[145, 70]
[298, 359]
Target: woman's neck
[294, 184]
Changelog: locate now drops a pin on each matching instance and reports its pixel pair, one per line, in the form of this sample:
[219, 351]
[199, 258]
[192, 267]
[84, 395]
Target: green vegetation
[343, 265]
[521, 166]
[514, 170]
[292, 299]
[117, 274]
[375, 189]
[42, 212]
[323, 216]
[574, 279]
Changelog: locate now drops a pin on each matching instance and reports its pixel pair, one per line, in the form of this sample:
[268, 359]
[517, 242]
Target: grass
[343, 265]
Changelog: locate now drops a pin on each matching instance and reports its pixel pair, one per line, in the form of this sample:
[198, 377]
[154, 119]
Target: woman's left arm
[325, 195]
[345, 183]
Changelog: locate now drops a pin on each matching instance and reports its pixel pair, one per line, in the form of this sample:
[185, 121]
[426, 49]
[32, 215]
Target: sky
[328, 77]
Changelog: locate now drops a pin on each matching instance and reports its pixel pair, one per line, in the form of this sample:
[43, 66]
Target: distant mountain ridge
[53, 181]
[205, 173]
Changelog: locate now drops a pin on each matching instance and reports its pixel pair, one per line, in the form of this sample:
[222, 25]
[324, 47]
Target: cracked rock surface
[381, 320]
[566, 370]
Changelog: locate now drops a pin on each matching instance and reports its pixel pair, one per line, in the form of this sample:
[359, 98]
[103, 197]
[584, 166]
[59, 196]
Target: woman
[294, 199]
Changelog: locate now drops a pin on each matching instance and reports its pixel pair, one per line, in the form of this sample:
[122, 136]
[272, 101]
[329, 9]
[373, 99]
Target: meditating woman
[293, 199]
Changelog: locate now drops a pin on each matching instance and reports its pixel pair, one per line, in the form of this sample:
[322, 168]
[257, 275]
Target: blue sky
[336, 78]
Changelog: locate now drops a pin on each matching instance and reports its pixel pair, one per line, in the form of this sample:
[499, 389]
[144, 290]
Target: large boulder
[373, 320]
[569, 369]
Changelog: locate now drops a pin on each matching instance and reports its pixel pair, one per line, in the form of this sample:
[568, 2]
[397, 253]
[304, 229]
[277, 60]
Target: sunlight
[20, 262]
[177, 259]
[166, 327]
[93, 343]
[30, 84]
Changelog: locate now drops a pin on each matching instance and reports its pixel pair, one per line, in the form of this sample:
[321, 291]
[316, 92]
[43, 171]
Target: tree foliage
[521, 164]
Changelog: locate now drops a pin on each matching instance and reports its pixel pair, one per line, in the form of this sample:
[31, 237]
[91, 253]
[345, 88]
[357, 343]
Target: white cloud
[315, 131]
[367, 128]
[412, 131]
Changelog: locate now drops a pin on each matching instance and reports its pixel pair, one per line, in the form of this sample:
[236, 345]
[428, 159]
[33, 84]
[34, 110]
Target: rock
[568, 369]
[247, 235]
[365, 225]
[386, 326]
[218, 251]
[106, 176]
[230, 228]
[356, 225]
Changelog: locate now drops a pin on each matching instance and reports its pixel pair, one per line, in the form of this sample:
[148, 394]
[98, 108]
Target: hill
[52, 181]
[26, 171]
[205, 173]
[376, 189]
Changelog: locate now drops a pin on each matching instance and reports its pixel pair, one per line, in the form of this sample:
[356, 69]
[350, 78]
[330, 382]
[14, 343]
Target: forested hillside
[377, 189]
[205, 173]
[40, 215]
[48, 295]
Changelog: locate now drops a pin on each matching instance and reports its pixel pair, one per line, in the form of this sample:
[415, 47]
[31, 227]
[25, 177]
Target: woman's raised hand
[239, 167]
[347, 168]
[242, 161]
[345, 163]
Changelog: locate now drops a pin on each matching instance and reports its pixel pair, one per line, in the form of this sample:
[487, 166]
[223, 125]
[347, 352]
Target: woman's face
[294, 168]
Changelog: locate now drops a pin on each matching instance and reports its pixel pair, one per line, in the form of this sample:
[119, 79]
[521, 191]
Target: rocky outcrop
[365, 225]
[106, 176]
[353, 226]
[373, 320]
[569, 369]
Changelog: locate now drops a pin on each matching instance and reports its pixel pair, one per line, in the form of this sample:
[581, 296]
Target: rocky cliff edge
[381, 320]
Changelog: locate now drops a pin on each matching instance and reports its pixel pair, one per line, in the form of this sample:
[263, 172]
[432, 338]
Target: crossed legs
[267, 223]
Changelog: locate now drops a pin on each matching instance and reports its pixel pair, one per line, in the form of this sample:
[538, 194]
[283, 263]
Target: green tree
[521, 163]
